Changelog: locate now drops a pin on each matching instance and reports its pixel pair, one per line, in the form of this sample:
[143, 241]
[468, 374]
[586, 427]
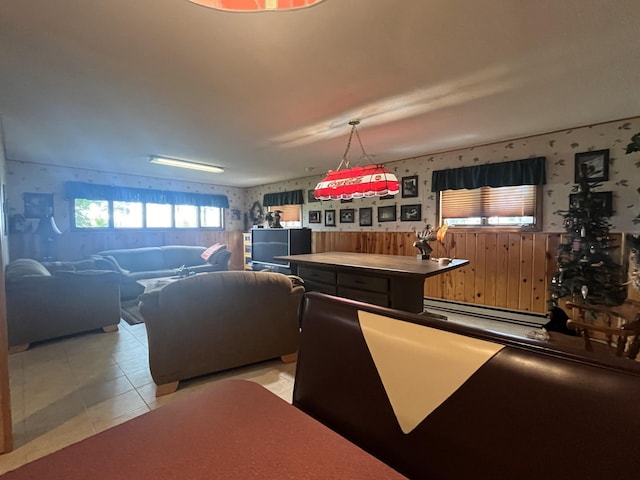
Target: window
[107, 206]
[186, 216]
[127, 215]
[211, 217]
[494, 207]
[290, 215]
[95, 214]
[91, 213]
[159, 215]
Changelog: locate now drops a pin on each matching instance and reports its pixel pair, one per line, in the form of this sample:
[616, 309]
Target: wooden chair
[621, 326]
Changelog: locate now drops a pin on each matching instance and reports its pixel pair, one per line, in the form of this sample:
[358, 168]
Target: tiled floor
[66, 390]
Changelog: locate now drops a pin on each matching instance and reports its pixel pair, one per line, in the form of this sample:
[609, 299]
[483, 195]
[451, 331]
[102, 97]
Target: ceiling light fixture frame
[176, 162]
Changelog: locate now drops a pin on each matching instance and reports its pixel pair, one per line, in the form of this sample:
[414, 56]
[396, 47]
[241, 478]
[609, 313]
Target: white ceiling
[104, 84]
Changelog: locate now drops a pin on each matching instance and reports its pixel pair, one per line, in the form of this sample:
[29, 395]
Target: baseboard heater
[492, 313]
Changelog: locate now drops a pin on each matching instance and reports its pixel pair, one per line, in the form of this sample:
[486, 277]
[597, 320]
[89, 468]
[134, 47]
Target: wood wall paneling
[506, 270]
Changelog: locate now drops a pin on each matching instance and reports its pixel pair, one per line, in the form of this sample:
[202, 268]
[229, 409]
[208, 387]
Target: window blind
[489, 202]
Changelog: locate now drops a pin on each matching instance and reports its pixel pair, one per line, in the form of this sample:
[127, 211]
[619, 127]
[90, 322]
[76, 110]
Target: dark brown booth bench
[430, 399]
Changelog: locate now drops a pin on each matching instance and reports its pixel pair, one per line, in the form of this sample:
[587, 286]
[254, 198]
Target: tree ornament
[583, 232]
[585, 291]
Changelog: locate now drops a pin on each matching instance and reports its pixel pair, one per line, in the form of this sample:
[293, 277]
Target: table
[388, 280]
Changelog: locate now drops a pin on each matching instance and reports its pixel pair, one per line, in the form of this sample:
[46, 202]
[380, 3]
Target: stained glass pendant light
[256, 5]
[356, 182]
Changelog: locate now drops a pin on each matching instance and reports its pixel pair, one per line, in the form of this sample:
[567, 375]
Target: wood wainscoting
[506, 270]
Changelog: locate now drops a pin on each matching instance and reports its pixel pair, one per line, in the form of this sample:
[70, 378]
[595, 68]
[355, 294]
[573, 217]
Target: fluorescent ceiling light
[174, 162]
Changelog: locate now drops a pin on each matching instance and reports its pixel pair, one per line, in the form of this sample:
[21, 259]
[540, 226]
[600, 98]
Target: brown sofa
[216, 321]
[165, 261]
[42, 306]
[433, 399]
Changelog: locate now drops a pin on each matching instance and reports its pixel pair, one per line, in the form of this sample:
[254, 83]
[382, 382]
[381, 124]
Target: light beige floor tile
[116, 406]
[94, 393]
[134, 365]
[141, 377]
[67, 433]
[86, 374]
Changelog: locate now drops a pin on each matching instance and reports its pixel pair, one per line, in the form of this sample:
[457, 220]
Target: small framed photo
[310, 197]
[314, 216]
[410, 186]
[411, 213]
[601, 200]
[347, 215]
[38, 205]
[592, 166]
[387, 214]
[365, 216]
[329, 218]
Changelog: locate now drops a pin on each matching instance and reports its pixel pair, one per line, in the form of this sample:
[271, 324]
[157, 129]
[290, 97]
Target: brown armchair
[42, 306]
[620, 327]
[215, 321]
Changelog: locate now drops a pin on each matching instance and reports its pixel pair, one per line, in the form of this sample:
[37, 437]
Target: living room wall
[559, 148]
[507, 270]
[74, 245]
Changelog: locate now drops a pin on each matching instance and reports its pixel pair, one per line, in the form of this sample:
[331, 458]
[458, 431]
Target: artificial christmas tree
[586, 272]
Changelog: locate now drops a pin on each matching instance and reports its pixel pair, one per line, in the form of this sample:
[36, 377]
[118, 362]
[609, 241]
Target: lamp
[47, 231]
[356, 182]
[256, 5]
[174, 162]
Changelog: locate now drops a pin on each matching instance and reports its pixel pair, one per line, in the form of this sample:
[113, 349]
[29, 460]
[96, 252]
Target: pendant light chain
[364, 154]
[345, 160]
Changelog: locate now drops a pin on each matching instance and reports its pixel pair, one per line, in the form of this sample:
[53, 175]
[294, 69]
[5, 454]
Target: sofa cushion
[25, 266]
[137, 259]
[174, 256]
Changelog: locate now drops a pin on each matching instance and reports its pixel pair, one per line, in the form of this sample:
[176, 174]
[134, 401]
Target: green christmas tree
[586, 271]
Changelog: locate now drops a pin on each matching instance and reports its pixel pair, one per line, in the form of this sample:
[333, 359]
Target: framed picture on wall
[314, 216]
[410, 186]
[38, 205]
[411, 213]
[365, 216]
[310, 197]
[329, 218]
[602, 200]
[387, 214]
[347, 215]
[593, 166]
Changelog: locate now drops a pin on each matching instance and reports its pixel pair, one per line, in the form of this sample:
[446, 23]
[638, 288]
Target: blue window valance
[293, 197]
[91, 191]
[530, 171]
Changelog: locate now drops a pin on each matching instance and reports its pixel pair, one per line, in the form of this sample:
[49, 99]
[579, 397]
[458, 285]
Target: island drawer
[316, 275]
[363, 282]
[364, 296]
